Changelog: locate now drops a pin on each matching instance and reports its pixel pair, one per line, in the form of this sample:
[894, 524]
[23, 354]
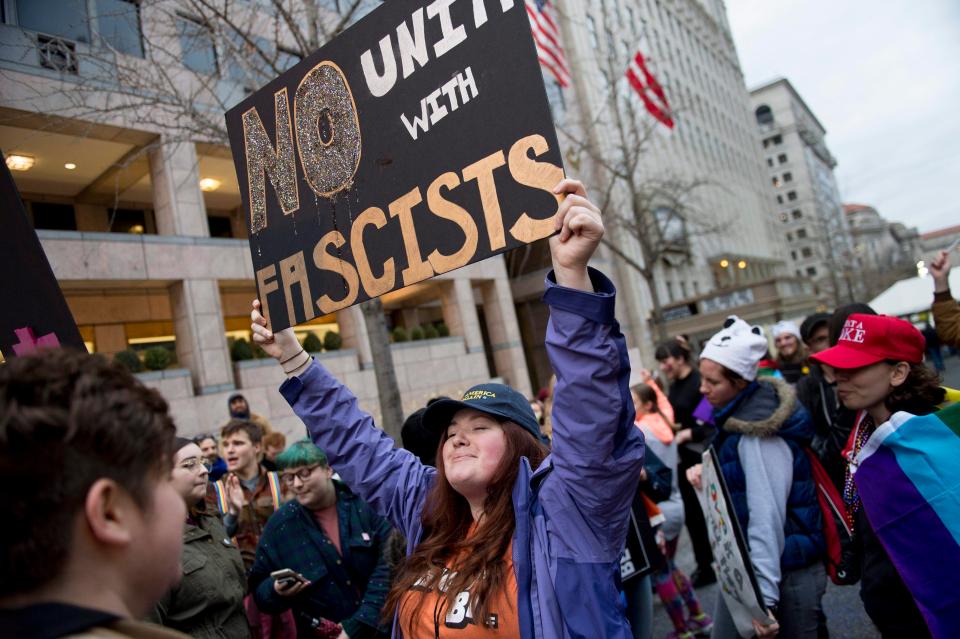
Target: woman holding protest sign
[503, 540]
[762, 431]
[878, 364]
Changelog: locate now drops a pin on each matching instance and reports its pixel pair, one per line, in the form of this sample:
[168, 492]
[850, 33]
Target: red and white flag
[649, 90]
[546, 35]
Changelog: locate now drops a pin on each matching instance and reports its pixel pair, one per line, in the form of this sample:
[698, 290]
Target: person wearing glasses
[330, 545]
[208, 601]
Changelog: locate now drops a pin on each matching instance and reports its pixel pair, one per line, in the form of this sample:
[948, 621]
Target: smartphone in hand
[286, 577]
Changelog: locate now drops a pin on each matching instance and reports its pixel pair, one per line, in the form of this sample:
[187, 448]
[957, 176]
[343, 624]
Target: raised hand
[281, 346]
[581, 229]
[940, 269]
[235, 498]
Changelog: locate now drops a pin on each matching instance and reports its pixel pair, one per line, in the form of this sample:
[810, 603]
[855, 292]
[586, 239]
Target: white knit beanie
[786, 327]
[739, 347]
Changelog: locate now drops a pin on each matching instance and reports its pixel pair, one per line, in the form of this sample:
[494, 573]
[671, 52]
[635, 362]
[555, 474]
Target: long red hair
[447, 519]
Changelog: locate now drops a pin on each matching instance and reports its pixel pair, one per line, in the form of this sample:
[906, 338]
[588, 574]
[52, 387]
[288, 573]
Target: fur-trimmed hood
[767, 407]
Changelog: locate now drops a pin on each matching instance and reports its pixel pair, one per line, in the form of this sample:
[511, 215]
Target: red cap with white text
[868, 339]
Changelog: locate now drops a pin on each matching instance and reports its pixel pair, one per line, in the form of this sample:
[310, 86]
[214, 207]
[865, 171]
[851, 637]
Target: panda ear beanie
[738, 347]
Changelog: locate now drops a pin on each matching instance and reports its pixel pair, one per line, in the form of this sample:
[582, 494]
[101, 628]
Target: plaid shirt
[348, 589]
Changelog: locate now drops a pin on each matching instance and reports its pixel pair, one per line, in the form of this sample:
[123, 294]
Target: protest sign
[34, 314]
[634, 561]
[731, 560]
[418, 141]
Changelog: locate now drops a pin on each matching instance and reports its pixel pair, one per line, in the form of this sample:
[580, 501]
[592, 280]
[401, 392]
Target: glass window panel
[65, 18]
[119, 24]
[196, 44]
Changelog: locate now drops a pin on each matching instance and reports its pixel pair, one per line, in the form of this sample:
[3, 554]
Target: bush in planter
[241, 350]
[312, 343]
[400, 335]
[416, 334]
[430, 332]
[442, 330]
[156, 358]
[129, 360]
[332, 341]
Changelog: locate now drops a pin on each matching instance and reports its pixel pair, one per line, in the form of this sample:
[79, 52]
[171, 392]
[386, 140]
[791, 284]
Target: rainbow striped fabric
[908, 477]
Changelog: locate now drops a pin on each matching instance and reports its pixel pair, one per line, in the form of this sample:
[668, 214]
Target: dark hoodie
[238, 414]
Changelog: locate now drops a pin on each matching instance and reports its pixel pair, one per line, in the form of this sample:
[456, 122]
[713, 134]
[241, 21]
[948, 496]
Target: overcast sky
[884, 79]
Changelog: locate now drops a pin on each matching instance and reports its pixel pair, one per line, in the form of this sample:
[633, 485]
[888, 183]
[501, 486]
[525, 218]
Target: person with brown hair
[878, 364]
[96, 523]
[208, 601]
[502, 539]
[273, 445]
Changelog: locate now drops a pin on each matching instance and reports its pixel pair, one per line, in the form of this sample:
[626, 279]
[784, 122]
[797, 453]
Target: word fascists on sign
[524, 169]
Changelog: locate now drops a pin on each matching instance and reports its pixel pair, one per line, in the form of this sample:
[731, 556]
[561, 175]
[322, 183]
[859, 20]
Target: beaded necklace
[862, 432]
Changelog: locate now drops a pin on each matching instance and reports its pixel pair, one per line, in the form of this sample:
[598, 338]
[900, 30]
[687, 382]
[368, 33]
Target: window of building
[793, 254]
[64, 18]
[558, 105]
[784, 218]
[775, 180]
[788, 177]
[52, 216]
[779, 199]
[769, 161]
[243, 60]
[592, 30]
[128, 221]
[196, 44]
[782, 158]
[797, 214]
[287, 58]
[801, 234]
[789, 237]
[119, 25]
[778, 139]
[791, 195]
[219, 226]
[806, 251]
[811, 270]
[764, 114]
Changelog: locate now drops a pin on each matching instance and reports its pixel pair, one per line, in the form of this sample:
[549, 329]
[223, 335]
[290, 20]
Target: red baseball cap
[868, 339]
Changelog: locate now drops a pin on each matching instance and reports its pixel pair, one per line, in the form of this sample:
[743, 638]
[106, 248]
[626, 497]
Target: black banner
[418, 141]
[34, 314]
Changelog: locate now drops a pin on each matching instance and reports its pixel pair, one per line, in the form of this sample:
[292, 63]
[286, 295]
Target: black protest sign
[418, 141]
[34, 314]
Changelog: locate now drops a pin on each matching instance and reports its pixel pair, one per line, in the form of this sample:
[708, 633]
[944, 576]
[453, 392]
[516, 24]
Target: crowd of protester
[501, 515]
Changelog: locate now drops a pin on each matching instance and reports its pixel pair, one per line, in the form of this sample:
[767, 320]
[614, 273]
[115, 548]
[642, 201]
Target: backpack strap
[221, 491]
[273, 479]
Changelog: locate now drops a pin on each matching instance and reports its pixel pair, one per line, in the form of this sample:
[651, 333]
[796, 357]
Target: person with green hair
[333, 543]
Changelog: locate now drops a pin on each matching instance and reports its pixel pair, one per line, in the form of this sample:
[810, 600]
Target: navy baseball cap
[497, 400]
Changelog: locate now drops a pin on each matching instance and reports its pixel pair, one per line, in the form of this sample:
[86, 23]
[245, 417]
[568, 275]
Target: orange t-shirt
[457, 623]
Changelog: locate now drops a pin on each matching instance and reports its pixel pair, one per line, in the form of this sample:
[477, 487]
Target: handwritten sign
[738, 583]
[418, 141]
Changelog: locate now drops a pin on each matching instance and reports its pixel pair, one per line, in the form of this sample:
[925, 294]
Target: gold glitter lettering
[329, 157]
[278, 162]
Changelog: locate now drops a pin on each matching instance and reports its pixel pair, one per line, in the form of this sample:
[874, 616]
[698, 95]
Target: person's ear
[899, 374]
[110, 513]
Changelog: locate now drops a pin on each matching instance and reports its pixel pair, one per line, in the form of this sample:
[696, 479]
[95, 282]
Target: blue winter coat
[572, 512]
[768, 407]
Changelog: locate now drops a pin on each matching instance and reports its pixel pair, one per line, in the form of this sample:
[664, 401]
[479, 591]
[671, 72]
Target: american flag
[649, 90]
[546, 35]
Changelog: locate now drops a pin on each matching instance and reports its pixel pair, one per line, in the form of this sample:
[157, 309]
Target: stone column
[353, 330]
[201, 343]
[460, 313]
[177, 198]
[504, 334]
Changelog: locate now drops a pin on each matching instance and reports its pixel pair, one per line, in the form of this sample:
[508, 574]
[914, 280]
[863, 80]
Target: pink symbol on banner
[29, 343]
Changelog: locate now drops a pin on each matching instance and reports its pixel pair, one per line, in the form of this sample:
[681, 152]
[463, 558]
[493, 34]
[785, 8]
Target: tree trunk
[391, 407]
[656, 316]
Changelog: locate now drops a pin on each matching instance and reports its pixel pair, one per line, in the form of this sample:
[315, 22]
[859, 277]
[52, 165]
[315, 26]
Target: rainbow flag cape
[908, 480]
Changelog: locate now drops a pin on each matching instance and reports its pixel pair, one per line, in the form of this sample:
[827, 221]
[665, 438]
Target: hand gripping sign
[731, 559]
[418, 141]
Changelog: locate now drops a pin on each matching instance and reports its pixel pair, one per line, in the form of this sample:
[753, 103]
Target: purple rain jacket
[572, 512]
